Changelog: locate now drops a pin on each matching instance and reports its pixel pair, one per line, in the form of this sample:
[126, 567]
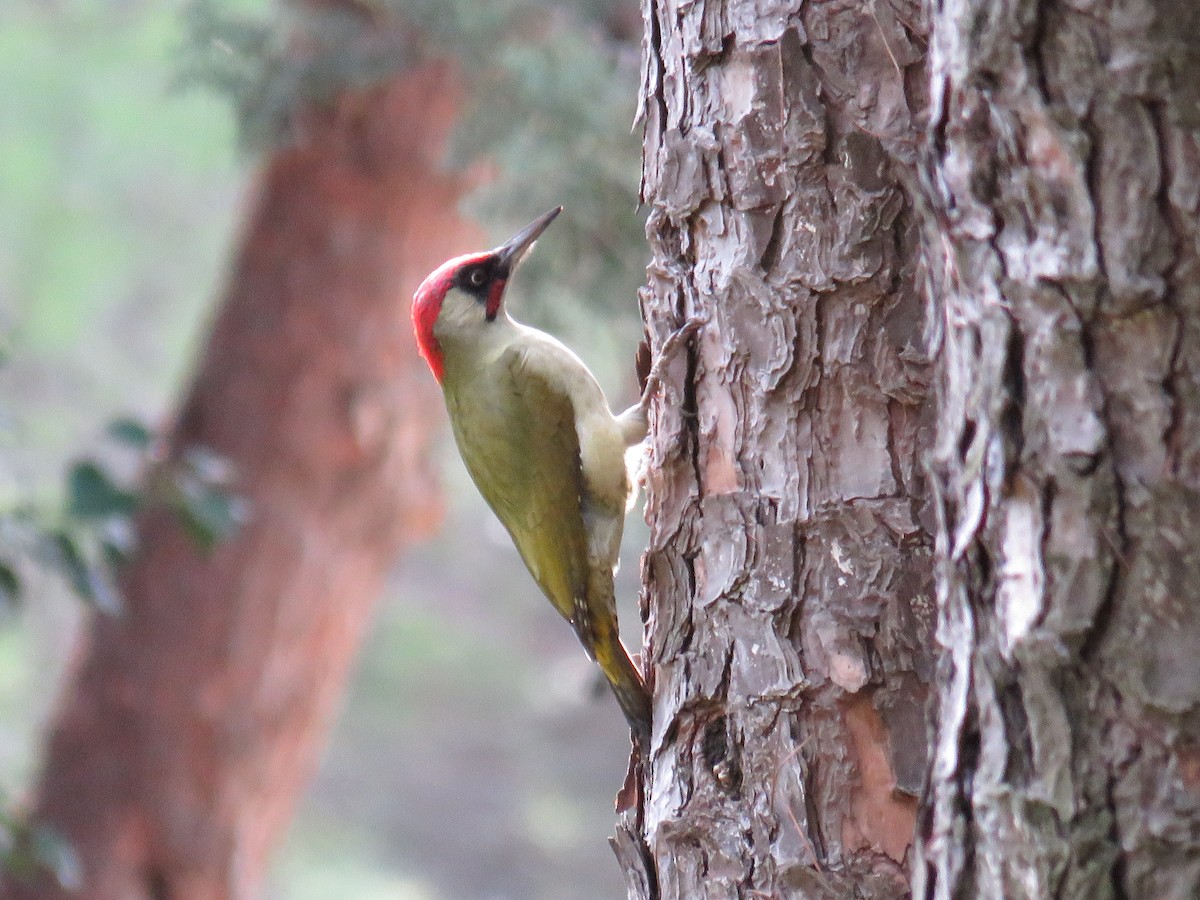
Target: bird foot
[669, 349]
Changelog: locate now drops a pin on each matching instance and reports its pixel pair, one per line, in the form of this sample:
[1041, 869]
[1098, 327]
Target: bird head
[465, 294]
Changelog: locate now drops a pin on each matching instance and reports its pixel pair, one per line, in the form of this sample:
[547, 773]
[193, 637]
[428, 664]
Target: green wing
[517, 436]
[516, 431]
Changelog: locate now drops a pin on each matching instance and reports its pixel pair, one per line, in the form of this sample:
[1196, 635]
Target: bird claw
[670, 347]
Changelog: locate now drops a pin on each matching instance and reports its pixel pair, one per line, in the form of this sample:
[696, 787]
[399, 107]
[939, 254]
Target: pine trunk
[788, 583]
[1063, 182]
[196, 717]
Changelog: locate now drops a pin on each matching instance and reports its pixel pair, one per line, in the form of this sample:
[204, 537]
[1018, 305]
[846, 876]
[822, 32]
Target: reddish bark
[195, 719]
[788, 581]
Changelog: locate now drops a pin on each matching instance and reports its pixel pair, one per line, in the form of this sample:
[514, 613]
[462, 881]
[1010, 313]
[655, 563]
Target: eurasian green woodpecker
[540, 442]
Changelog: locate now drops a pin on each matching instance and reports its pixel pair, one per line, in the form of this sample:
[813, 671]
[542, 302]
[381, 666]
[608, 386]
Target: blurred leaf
[10, 585]
[223, 50]
[552, 120]
[131, 432]
[55, 853]
[552, 87]
[91, 494]
[85, 571]
[270, 70]
[209, 512]
[208, 466]
[40, 848]
[71, 563]
[114, 553]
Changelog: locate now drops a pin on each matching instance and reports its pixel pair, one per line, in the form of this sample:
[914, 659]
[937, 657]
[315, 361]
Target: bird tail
[627, 686]
[595, 622]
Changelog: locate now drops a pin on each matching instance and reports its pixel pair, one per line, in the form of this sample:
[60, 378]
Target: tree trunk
[1064, 181]
[788, 581]
[196, 717]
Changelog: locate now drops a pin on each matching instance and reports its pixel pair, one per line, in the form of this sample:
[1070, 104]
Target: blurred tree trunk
[1064, 182]
[789, 576]
[195, 719]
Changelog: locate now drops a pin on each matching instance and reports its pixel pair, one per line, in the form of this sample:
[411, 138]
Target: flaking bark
[1063, 183]
[788, 579]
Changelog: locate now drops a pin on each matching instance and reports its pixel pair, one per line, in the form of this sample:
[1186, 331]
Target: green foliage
[84, 541]
[553, 93]
[84, 559]
[224, 49]
[253, 61]
[132, 433]
[27, 850]
[198, 489]
[91, 536]
[118, 200]
[553, 100]
[10, 585]
[554, 119]
[92, 495]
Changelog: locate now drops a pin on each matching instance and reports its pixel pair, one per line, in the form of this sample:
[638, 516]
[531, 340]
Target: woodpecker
[539, 440]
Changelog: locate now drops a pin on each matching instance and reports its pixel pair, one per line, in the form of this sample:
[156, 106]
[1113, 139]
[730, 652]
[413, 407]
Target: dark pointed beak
[512, 251]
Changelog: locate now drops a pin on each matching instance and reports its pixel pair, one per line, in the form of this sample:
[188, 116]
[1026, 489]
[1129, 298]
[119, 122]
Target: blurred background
[476, 754]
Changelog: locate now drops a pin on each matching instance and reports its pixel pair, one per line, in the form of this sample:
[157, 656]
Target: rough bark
[195, 718]
[1063, 181]
[788, 582]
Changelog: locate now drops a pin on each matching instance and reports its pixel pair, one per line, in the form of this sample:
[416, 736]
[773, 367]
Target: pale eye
[477, 278]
